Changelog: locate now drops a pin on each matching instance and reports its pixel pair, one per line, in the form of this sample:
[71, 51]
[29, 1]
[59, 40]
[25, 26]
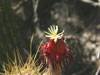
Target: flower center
[52, 34]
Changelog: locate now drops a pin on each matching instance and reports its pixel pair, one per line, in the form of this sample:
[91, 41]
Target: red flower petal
[55, 53]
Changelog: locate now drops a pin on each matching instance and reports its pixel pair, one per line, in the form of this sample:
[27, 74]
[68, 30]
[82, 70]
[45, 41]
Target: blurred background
[80, 19]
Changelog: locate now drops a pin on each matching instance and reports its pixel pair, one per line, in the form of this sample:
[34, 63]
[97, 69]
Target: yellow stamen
[52, 34]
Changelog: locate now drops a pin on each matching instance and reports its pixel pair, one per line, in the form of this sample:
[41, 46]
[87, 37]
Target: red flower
[55, 52]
